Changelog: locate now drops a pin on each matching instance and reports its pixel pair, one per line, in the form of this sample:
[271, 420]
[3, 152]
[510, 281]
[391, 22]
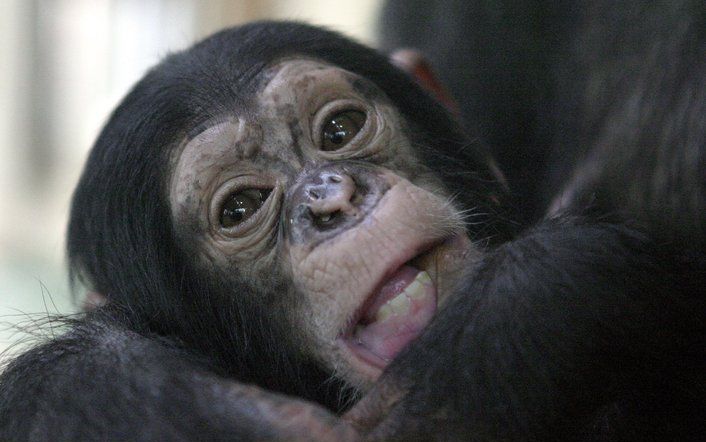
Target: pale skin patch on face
[306, 91]
[211, 165]
[267, 149]
[407, 220]
[278, 139]
[199, 161]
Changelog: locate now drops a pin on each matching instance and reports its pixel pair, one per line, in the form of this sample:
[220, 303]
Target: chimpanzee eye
[341, 128]
[242, 205]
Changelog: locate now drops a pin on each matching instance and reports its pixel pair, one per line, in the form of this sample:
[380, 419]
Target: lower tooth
[417, 288]
[424, 278]
[384, 312]
[400, 304]
[414, 290]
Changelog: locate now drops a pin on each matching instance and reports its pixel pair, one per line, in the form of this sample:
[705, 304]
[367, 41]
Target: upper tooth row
[400, 304]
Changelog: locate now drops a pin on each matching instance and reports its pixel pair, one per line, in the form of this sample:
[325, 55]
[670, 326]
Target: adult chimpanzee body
[550, 83]
[596, 109]
[218, 275]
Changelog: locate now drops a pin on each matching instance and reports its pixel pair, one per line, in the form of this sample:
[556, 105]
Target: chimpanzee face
[318, 183]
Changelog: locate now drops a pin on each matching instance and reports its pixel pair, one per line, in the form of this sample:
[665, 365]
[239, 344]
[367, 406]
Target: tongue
[406, 314]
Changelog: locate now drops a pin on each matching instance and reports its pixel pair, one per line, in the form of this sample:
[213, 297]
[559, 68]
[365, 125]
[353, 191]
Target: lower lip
[370, 362]
[364, 355]
[396, 331]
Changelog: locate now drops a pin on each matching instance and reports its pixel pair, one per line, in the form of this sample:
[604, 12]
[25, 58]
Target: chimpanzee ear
[416, 65]
[93, 301]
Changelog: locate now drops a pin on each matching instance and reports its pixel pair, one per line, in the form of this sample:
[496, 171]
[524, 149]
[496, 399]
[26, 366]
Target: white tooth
[424, 278]
[415, 290]
[400, 304]
[384, 312]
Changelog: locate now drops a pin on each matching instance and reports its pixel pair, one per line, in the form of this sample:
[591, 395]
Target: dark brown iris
[242, 205]
[341, 129]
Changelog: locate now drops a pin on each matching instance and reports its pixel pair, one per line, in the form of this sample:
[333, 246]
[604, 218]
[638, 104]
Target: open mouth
[395, 313]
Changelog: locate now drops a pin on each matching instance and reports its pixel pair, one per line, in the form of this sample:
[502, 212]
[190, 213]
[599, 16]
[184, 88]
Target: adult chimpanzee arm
[101, 382]
[573, 329]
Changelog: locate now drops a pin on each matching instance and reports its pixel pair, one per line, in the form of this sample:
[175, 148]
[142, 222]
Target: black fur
[550, 84]
[575, 331]
[123, 242]
[552, 331]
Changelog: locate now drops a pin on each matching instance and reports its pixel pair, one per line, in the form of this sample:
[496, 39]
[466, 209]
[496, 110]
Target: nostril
[329, 196]
[314, 195]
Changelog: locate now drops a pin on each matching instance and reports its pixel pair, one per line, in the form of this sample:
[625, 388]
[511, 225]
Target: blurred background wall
[64, 64]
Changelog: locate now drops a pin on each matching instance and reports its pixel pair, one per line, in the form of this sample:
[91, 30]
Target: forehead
[306, 68]
[297, 79]
[295, 67]
[292, 85]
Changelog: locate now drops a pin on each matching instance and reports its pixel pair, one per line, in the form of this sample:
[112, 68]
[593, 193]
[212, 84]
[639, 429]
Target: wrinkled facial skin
[341, 223]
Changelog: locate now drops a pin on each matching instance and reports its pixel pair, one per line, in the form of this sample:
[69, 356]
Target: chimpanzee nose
[330, 192]
[329, 198]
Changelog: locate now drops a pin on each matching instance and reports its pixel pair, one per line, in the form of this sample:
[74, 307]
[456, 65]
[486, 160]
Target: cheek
[395, 149]
[340, 274]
